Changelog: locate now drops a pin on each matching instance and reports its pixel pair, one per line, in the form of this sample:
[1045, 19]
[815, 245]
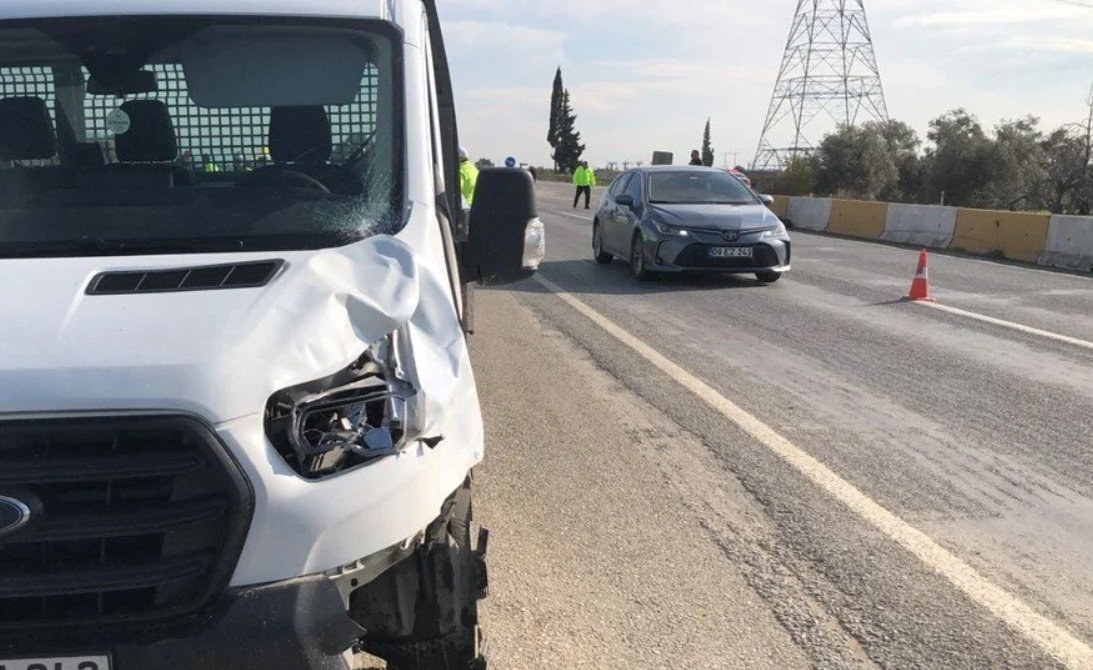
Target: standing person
[584, 179]
[696, 158]
[468, 176]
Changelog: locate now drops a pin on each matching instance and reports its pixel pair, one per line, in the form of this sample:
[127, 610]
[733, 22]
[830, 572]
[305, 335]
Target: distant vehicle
[739, 175]
[676, 219]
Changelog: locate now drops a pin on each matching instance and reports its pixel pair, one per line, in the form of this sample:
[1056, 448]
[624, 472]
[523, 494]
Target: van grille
[132, 519]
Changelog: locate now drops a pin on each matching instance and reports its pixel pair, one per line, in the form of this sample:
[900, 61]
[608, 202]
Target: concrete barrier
[1016, 235]
[780, 206]
[858, 218]
[809, 213]
[1069, 243]
[920, 225]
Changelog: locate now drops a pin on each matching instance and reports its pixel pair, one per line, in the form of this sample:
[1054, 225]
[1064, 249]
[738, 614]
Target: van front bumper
[300, 624]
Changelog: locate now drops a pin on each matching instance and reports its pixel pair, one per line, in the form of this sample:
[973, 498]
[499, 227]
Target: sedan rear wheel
[768, 277]
[602, 257]
[637, 260]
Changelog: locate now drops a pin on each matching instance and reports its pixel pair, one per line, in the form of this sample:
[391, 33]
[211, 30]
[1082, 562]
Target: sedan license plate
[60, 663]
[730, 252]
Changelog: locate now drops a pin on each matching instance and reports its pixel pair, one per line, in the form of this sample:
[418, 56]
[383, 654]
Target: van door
[453, 219]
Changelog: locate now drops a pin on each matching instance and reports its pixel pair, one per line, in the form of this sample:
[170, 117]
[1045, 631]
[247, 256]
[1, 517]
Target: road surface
[712, 473]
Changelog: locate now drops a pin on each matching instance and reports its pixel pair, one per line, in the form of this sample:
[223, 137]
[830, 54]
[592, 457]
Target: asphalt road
[712, 473]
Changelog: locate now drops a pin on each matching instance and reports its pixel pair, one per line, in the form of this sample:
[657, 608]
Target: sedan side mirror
[506, 242]
[625, 200]
[766, 200]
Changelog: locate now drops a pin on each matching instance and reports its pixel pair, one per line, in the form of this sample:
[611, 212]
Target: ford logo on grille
[14, 514]
[731, 236]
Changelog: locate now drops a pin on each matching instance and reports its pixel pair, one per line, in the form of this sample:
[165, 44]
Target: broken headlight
[360, 414]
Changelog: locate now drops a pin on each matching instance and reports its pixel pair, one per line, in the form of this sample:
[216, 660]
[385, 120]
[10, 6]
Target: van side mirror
[766, 200]
[506, 242]
[625, 200]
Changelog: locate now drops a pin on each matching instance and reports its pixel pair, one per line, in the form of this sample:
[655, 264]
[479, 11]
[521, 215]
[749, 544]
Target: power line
[1075, 3]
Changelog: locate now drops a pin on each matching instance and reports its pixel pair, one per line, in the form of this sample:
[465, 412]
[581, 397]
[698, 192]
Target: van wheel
[768, 277]
[602, 257]
[422, 614]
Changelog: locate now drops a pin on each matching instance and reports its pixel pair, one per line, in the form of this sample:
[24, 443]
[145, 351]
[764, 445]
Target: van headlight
[534, 244]
[363, 413]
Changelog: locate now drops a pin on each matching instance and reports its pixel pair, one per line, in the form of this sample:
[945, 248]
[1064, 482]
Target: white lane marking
[572, 216]
[1045, 633]
[1009, 324]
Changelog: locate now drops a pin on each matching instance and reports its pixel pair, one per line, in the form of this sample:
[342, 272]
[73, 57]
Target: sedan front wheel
[602, 257]
[768, 277]
[637, 260]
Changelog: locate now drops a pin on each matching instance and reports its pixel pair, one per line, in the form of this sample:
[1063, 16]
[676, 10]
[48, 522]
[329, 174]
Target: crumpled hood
[715, 217]
[218, 353]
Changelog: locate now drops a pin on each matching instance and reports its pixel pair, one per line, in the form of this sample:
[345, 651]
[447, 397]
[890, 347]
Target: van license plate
[730, 252]
[60, 663]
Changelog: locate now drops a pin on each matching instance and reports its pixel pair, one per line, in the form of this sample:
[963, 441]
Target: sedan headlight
[666, 229]
[360, 414]
[776, 231]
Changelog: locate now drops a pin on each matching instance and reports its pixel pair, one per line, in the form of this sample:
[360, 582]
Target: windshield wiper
[97, 246]
[212, 244]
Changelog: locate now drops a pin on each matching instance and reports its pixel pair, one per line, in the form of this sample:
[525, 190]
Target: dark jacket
[697, 161]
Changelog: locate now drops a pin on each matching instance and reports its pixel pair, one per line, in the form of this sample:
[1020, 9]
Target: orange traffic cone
[920, 287]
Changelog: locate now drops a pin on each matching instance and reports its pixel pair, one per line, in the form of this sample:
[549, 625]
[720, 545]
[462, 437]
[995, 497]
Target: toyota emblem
[731, 236]
[14, 514]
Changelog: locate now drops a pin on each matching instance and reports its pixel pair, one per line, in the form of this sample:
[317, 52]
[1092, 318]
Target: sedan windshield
[188, 134]
[697, 187]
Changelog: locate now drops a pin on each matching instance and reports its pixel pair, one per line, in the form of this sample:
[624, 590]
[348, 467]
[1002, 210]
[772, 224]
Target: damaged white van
[238, 421]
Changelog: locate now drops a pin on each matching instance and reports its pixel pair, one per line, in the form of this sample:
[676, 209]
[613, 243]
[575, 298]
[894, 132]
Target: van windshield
[188, 134]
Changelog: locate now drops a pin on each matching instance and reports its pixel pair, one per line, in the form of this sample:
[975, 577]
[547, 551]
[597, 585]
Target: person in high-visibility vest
[468, 176]
[208, 165]
[584, 179]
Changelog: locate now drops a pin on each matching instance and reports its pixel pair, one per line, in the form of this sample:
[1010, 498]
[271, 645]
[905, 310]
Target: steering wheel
[284, 177]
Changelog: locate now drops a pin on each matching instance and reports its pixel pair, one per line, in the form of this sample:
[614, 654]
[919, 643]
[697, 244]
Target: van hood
[219, 353]
[715, 217]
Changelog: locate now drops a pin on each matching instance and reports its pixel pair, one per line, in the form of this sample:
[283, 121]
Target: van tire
[435, 592]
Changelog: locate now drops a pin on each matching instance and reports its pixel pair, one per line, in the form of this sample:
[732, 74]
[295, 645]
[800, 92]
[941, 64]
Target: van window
[183, 134]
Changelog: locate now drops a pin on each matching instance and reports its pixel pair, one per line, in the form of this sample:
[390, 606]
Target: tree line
[1017, 165]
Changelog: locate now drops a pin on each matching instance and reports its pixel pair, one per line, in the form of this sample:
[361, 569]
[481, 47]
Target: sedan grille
[132, 519]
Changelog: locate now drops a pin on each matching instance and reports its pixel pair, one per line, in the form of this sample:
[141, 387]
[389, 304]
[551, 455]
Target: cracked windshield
[150, 135]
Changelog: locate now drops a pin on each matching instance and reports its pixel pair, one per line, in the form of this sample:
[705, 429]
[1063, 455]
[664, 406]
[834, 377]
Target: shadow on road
[587, 277]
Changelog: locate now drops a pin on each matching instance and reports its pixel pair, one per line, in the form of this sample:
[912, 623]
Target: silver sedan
[677, 219]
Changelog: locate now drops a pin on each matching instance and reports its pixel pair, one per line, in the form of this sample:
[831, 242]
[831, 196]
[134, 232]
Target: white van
[238, 421]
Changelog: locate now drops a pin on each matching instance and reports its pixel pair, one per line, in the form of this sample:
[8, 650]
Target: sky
[645, 75]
